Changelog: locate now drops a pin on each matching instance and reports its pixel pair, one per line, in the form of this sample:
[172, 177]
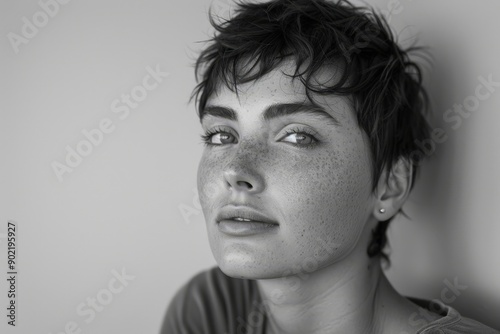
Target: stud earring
[382, 210]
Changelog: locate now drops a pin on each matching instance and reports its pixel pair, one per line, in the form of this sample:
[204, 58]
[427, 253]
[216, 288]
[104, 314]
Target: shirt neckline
[449, 315]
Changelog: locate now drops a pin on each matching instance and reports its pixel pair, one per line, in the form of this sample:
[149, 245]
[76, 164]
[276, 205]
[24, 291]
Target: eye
[218, 137]
[300, 137]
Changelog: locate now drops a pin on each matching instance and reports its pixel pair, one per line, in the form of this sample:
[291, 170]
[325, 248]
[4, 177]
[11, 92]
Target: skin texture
[312, 271]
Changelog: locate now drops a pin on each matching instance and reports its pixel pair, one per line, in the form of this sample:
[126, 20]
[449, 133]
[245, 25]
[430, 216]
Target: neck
[352, 296]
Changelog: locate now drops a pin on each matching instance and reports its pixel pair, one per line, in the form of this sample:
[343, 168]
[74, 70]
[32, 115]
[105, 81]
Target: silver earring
[382, 210]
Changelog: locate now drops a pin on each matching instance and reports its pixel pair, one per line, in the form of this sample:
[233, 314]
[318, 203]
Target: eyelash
[303, 132]
[209, 133]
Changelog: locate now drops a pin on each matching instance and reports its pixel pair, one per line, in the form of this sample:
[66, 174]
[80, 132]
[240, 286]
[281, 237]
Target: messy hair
[378, 76]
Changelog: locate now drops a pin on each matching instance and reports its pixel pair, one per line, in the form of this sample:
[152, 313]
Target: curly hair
[384, 84]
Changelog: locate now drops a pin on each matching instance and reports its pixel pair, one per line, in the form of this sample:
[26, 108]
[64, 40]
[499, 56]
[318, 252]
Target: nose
[242, 173]
[243, 182]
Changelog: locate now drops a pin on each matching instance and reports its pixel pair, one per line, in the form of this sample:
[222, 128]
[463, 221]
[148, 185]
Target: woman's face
[308, 173]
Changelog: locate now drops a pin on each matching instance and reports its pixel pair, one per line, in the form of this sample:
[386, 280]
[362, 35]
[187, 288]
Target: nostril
[244, 184]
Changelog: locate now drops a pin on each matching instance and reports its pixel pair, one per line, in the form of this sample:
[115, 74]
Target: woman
[311, 112]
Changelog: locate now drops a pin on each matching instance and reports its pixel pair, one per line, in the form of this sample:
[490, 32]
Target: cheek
[208, 169]
[325, 197]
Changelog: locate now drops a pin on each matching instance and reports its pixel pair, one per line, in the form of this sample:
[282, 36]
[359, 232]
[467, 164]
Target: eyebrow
[274, 111]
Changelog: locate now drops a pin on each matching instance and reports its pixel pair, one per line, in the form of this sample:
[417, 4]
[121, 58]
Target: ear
[393, 189]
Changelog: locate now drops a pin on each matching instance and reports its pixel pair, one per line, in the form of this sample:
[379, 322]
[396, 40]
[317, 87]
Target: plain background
[121, 207]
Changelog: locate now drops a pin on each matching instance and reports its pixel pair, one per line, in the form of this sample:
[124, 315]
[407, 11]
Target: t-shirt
[214, 303]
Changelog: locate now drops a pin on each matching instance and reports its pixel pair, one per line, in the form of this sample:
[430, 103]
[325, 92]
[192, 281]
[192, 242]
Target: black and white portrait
[244, 166]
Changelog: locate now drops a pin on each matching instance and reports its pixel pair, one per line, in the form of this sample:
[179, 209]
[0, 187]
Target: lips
[243, 214]
[244, 222]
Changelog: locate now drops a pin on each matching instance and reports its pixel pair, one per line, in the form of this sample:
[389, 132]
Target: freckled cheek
[327, 203]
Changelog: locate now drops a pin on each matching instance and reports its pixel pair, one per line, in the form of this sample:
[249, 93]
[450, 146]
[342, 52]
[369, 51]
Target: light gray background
[121, 207]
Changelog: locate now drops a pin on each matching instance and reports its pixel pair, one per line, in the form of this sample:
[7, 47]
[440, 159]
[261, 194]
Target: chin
[245, 272]
[246, 267]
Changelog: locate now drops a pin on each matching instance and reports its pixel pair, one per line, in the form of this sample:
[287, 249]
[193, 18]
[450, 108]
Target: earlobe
[393, 189]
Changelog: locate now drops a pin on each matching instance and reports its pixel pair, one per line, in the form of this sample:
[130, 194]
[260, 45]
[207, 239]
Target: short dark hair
[385, 85]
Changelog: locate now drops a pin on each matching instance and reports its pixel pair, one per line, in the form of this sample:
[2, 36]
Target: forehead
[277, 87]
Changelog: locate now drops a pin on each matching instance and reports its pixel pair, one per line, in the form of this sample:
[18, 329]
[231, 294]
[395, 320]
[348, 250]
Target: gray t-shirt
[214, 303]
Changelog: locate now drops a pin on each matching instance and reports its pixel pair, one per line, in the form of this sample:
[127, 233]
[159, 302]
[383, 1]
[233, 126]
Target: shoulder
[452, 322]
[210, 302]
